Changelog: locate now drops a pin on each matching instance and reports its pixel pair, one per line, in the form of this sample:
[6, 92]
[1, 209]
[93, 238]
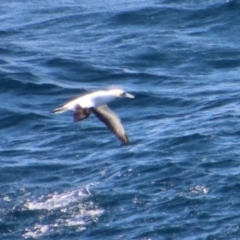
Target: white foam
[74, 207]
[199, 189]
[36, 232]
[55, 200]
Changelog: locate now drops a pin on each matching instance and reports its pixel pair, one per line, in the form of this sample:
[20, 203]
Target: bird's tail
[60, 109]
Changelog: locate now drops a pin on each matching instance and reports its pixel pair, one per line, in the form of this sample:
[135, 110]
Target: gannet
[96, 102]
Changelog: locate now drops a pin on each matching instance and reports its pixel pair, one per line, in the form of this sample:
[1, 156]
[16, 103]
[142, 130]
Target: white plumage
[96, 102]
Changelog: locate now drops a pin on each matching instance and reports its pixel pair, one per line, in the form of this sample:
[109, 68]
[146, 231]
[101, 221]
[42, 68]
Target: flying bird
[96, 102]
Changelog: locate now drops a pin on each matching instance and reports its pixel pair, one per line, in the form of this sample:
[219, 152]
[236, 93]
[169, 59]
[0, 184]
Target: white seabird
[96, 102]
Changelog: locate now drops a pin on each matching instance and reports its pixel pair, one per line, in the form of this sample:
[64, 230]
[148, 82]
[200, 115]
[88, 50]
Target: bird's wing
[81, 113]
[111, 120]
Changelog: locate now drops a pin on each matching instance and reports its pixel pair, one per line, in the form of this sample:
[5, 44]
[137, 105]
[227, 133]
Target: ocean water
[179, 178]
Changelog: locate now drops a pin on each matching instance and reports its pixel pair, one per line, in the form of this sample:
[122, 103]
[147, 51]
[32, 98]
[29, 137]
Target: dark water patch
[225, 63]
[26, 83]
[229, 189]
[216, 103]
[193, 140]
[4, 50]
[132, 17]
[150, 16]
[165, 104]
[15, 53]
[66, 7]
[62, 62]
[49, 22]
[160, 77]
[76, 70]
[16, 120]
[6, 228]
[7, 33]
[3, 62]
[231, 5]
[9, 83]
[39, 89]
[16, 80]
[173, 231]
[207, 15]
[41, 166]
[218, 162]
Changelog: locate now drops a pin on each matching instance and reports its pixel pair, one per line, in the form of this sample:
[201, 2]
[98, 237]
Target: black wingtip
[125, 140]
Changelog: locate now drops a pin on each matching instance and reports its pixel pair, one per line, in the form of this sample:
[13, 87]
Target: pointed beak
[128, 95]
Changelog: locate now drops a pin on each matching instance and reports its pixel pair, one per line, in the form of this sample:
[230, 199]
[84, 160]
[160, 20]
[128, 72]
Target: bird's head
[119, 93]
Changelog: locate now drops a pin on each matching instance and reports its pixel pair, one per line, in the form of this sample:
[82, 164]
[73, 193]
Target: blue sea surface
[179, 178]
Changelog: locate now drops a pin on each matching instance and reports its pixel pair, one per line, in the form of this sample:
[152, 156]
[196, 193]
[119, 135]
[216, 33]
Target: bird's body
[96, 102]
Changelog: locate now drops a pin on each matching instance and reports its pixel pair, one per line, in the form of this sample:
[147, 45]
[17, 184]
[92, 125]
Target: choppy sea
[179, 178]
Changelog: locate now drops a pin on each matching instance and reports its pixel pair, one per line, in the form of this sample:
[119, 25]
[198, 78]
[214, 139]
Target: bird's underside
[105, 115]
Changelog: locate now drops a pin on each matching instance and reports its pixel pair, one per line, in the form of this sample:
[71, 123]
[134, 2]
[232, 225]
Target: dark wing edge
[81, 113]
[112, 122]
